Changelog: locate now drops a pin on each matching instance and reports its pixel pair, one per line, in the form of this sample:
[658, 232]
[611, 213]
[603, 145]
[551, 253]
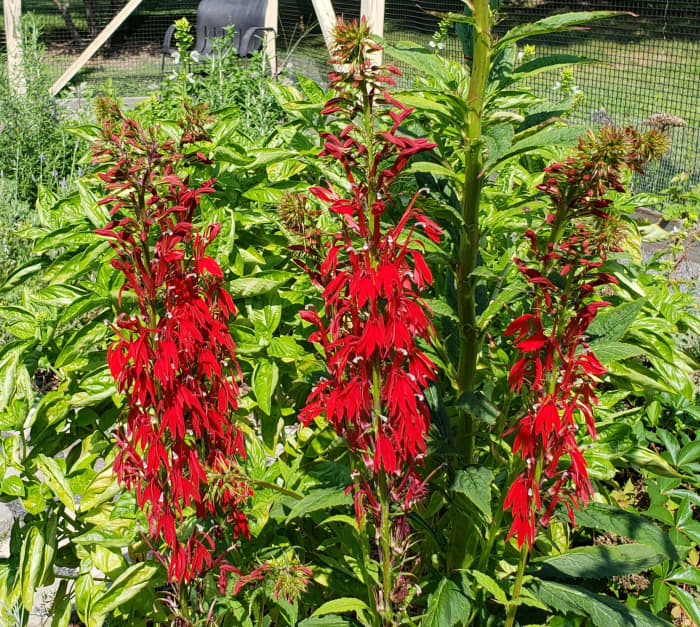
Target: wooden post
[94, 46]
[13, 12]
[373, 10]
[326, 20]
[271, 21]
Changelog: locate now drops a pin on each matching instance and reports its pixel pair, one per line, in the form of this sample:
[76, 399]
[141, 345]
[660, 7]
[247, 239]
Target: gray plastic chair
[246, 16]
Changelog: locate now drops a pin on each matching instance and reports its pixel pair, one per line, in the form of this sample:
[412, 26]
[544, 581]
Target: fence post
[94, 46]
[13, 11]
[271, 21]
[373, 10]
[326, 20]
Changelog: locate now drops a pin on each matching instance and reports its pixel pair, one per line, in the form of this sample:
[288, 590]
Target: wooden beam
[373, 10]
[94, 46]
[271, 21]
[12, 10]
[326, 20]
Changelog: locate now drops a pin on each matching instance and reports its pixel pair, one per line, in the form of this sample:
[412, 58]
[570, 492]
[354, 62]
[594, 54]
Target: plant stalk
[513, 607]
[469, 240]
[469, 340]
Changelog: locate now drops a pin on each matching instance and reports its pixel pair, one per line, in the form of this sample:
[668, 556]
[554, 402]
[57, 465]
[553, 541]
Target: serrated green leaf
[599, 562]
[551, 24]
[603, 611]
[611, 324]
[324, 498]
[448, 605]
[475, 483]
[627, 525]
[608, 352]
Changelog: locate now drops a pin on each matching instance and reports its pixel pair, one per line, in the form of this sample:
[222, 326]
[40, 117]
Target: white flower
[440, 45]
[431, 44]
[176, 56]
[195, 56]
[173, 76]
[557, 86]
[521, 54]
[190, 78]
[576, 89]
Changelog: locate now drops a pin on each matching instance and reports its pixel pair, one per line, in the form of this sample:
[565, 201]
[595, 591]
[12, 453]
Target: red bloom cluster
[557, 371]
[373, 274]
[174, 357]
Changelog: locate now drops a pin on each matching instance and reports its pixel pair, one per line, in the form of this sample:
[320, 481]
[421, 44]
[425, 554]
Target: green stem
[469, 339]
[469, 240]
[513, 607]
[384, 539]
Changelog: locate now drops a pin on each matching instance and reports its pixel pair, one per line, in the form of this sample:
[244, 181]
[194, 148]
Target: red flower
[174, 358]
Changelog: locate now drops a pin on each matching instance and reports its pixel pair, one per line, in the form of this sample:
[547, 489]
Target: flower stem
[513, 608]
[384, 531]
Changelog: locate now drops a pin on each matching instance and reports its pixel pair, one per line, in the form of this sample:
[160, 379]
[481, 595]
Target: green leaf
[31, 558]
[547, 137]
[612, 324]
[13, 486]
[259, 284]
[690, 453]
[491, 586]
[324, 498]
[651, 461]
[608, 352]
[478, 406]
[688, 603]
[56, 479]
[124, 588]
[57, 295]
[686, 574]
[329, 620]
[102, 488]
[551, 24]
[20, 276]
[285, 348]
[265, 378]
[87, 337]
[475, 483]
[604, 611]
[61, 608]
[599, 562]
[10, 359]
[344, 604]
[627, 525]
[542, 64]
[447, 606]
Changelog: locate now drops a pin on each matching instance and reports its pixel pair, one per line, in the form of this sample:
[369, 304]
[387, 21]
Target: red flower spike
[556, 372]
[372, 275]
[178, 429]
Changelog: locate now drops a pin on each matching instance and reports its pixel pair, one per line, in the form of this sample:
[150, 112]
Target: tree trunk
[91, 17]
[63, 8]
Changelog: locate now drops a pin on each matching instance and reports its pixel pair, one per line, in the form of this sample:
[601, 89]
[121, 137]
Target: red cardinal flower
[174, 358]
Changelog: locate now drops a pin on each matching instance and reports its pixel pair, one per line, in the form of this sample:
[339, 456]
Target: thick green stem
[513, 607]
[469, 241]
[469, 340]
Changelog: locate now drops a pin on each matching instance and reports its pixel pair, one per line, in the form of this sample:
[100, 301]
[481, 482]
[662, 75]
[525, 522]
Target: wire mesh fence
[650, 62]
